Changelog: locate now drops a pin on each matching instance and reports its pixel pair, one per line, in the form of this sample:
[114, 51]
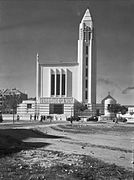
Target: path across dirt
[110, 146]
[60, 151]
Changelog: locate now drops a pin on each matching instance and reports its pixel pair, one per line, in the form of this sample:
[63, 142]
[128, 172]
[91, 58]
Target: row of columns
[58, 86]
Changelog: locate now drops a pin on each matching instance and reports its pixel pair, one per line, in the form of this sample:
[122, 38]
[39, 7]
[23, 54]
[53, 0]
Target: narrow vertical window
[86, 95]
[86, 50]
[52, 84]
[63, 84]
[86, 72]
[86, 61]
[58, 84]
[86, 83]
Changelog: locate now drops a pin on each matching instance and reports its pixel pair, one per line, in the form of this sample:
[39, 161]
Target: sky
[50, 28]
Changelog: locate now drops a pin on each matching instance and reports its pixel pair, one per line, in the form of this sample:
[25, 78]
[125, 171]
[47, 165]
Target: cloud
[105, 81]
[128, 90]
[108, 82]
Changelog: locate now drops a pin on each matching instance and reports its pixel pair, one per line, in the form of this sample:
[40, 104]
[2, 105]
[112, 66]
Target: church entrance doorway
[56, 108]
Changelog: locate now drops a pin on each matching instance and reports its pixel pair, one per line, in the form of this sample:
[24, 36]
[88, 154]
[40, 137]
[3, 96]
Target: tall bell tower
[87, 61]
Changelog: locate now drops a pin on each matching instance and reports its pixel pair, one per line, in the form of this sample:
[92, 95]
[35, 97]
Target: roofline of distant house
[10, 91]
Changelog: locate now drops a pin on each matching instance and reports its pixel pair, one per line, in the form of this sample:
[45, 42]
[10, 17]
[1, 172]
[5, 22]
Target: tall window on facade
[86, 72]
[86, 50]
[86, 61]
[58, 84]
[86, 83]
[86, 94]
[63, 84]
[52, 84]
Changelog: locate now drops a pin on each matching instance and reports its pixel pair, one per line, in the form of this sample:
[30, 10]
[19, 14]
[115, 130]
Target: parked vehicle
[73, 118]
[121, 119]
[92, 118]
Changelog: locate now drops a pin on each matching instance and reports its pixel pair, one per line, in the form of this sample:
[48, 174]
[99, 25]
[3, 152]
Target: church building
[62, 87]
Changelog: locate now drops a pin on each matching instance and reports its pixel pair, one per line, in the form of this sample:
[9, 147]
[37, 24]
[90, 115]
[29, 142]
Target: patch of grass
[81, 167]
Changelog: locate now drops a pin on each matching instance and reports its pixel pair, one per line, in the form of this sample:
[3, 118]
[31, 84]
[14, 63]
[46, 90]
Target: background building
[9, 99]
[108, 100]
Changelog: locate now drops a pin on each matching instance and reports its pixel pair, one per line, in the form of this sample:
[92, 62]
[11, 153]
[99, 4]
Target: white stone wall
[25, 112]
[43, 109]
[72, 81]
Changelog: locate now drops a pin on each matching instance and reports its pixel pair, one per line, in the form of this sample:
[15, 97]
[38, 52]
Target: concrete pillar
[37, 77]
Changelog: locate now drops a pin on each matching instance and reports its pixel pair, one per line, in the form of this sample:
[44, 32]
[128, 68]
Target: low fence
[28, 117]
[9, 116]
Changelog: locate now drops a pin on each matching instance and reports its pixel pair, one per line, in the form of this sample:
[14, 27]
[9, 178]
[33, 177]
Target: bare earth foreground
[56, 151]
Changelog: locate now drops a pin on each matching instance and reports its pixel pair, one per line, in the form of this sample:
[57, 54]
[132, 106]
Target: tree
[79, 108]
[117, 108]
[123, 110]
[83, 107]
[14, 101]
[10, 104]
[131, 113]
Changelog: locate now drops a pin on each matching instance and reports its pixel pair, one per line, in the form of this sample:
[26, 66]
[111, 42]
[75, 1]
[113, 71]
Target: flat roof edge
[59, 64]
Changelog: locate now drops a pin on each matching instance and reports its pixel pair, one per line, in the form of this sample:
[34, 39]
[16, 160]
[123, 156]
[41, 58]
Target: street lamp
[71, 110]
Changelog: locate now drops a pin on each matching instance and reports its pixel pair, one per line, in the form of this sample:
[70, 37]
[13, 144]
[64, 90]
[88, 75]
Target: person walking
[30, 117]
[18, 117]
[35, 117]
[1, 117]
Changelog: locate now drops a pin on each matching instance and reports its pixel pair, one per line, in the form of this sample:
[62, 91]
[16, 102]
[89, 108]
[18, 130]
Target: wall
[72, 87]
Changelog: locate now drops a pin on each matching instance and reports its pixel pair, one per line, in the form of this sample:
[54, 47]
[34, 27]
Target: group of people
[18, 117]
[33, 116]
[42, 117]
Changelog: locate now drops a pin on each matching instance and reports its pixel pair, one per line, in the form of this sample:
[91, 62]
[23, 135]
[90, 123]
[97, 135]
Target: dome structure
[106, 102]
[110, 100]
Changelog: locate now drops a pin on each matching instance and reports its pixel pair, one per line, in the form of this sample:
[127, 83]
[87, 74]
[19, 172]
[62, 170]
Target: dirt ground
[65, 151]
